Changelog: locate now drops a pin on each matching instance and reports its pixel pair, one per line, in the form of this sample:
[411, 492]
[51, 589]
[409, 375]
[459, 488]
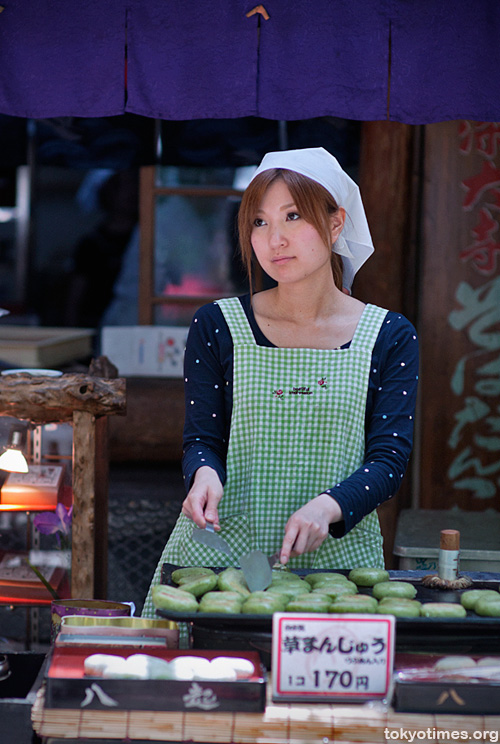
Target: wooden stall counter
[283, 723]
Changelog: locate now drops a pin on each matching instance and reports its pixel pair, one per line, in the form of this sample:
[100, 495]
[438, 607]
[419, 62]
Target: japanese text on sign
[325, 656]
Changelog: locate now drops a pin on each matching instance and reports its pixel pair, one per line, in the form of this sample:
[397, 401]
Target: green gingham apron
[297, 428]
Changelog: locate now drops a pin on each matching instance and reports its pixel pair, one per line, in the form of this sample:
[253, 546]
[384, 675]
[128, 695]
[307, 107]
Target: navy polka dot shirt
[390, 408]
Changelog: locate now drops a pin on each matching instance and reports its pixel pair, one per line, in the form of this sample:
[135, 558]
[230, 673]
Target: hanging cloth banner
[192, 60]
[62, 58]
[363, 60]
[445, 59]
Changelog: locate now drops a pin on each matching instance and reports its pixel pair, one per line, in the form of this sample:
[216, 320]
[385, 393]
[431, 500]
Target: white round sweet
[116, 669]
[95, 664]
[144, 666]
[189, 667]
[489, 661]
[244, 667]
[221, 670]
[454, 662]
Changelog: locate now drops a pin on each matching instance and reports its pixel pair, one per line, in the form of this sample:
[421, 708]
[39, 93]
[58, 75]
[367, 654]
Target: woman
[299, 398]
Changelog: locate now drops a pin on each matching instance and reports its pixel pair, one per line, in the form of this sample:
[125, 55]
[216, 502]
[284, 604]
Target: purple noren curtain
[191, 60]
[205, 59]
[62, 58]
[326, 58]
[445, 60]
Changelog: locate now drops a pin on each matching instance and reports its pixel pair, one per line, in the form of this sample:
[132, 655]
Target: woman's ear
[337, 220]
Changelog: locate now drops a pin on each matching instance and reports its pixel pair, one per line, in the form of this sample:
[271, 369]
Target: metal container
[92, 607]
[417, 538]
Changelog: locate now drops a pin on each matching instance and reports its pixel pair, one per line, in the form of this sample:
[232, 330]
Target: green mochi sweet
[200, 585]
[470, 598]
[309, 603]
[171, 598]
[488, 607]
[189, 573]
[317, 578]
[335, 589]
[367, 576]
[226, 602]
[292, 588]
[233, 580]
[264, 603]
[283, 574]
[354, 603]
[394, 589]
[399, 607]
[442, 609]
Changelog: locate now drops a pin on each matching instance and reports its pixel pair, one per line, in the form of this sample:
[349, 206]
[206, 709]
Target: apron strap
[364, 337]
[368, 328]
[237, 321]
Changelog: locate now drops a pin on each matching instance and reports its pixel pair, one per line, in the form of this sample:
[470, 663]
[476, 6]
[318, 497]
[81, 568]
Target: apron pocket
[182, 550]
[236, 531]
[367, 545]
[362, 546]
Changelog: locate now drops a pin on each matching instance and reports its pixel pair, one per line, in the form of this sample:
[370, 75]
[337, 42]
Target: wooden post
[84, 525]
[147, 222]
[386, 187]
[90, 510]
[101, 488]
[388, 278]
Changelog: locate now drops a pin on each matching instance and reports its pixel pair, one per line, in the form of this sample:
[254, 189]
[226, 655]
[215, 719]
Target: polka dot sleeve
[389, 424]
[208, 393]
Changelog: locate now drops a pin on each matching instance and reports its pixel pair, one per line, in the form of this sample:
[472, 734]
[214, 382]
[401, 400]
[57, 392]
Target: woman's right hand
[201, 503]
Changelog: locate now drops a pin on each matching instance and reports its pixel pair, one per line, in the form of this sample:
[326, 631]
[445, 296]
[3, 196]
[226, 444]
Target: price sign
[332, 657]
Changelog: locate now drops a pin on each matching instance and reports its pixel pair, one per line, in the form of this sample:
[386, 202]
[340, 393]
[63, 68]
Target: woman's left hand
[307, 528]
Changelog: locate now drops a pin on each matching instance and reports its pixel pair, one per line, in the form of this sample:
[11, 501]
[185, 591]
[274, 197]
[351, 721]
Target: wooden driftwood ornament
[43, 400]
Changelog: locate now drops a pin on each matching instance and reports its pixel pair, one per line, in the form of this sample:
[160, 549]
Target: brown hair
[314, 203]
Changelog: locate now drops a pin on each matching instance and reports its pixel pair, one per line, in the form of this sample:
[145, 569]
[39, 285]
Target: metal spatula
[257, 569]
[209, 537]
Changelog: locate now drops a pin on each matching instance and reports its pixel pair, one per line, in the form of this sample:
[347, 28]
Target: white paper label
[328, 657]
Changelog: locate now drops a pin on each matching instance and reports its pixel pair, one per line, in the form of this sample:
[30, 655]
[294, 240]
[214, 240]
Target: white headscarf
[355, 243]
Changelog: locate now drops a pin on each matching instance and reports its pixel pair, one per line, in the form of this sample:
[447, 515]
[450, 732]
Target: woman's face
[287, 247]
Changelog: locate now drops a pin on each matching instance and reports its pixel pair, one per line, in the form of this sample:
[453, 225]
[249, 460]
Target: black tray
[481, 580]
[471, 634]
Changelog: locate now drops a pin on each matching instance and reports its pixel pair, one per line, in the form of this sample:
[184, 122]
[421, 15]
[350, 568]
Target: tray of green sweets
[455, 632]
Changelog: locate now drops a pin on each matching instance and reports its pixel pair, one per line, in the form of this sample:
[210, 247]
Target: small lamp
[12, 459]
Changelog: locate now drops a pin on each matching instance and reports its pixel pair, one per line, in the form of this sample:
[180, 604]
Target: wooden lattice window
[188, 241]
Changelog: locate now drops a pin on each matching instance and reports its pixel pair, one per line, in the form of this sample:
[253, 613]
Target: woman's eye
[291, 216]
[258, 222]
